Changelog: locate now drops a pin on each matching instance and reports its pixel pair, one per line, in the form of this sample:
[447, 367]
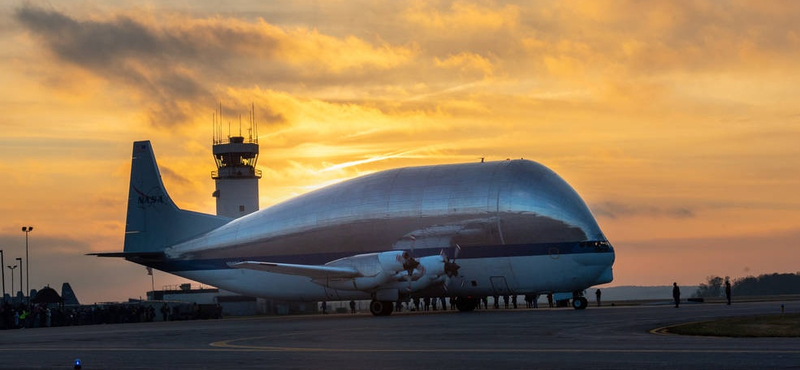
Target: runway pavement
[596, 338]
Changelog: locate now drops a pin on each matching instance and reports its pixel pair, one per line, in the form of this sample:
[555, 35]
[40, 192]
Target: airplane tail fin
[154, 222]
[68, 295]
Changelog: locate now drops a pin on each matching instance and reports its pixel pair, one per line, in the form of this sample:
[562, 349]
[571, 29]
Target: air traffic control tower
[236, 176]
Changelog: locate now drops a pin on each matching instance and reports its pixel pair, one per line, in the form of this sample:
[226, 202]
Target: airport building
[232, 304]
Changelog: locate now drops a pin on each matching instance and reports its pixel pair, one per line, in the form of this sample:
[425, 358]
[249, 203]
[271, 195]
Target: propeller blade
[410, 263]
[450, 266]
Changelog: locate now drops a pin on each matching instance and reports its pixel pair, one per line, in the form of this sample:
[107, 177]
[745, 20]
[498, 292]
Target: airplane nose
[606, 277]
[608, 274]
[598, 261]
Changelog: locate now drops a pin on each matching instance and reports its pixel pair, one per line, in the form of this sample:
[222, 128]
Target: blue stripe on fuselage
[473, 252]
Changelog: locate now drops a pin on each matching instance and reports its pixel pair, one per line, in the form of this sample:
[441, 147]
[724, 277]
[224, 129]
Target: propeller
[409, 263]
[450, 266]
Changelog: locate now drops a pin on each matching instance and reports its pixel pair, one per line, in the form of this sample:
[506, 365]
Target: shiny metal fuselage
[521, 229]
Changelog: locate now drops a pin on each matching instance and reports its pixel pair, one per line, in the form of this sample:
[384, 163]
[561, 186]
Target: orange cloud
[462, 16]
[466, 62]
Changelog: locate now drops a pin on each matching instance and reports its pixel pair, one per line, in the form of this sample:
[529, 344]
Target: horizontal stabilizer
[312, 271]
[155, 256]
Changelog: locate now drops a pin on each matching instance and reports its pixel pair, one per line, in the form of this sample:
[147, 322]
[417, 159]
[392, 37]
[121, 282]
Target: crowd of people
[43, 315]
[445, 303]
[49, 315]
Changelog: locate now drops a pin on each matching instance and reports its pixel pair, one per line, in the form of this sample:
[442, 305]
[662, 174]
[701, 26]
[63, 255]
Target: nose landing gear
[579, 302]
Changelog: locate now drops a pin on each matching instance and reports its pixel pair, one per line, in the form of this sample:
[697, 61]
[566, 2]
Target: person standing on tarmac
[728, 289]
[165, 311]
[597, 294]
[676, 294]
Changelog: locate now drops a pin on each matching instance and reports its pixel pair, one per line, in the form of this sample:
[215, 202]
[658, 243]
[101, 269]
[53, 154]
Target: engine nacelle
[430, 266]
[375, 269]
[429, 272]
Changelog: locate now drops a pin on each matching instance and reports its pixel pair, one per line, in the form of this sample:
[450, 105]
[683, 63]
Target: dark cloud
[176, 65]
[173, 70]
[90, 43]
[620, 210]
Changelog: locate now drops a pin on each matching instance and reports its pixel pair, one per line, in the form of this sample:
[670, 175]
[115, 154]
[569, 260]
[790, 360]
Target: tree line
[767, 284]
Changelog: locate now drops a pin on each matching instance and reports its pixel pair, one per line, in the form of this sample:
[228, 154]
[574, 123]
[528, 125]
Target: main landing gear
[381, 308]
[466, 304]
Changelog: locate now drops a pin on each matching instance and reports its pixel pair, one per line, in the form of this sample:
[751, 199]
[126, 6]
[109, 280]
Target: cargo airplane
[463, 231]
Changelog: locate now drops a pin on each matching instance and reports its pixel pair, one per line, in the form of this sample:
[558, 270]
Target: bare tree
[711, 289]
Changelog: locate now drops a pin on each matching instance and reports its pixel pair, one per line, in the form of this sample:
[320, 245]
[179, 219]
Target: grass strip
[776, 325]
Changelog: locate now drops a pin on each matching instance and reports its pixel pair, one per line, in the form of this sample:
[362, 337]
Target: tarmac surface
[596, 338]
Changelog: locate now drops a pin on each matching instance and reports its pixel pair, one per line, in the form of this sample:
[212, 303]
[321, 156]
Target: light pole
[26, 230]
[4, 275]
[20, 274]
[12, 281]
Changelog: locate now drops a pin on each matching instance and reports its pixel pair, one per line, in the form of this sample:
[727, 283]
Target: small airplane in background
[463, 231]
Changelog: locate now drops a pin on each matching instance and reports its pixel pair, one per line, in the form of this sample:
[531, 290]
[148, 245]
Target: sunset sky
[677, 122]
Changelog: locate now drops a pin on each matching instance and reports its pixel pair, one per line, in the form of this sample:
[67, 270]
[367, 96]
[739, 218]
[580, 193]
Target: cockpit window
[598, 245]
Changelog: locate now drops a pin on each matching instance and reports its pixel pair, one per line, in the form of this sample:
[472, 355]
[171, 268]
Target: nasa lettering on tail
[146, 200]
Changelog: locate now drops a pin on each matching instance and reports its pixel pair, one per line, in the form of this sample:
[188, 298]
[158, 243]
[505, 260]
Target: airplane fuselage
[520, 227]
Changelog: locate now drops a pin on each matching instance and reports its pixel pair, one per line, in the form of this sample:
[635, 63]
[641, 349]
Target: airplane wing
[312, 271]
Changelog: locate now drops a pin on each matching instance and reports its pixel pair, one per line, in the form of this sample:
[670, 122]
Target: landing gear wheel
[381, 308]
[579, 303]
[388, 308]
[466, 304]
